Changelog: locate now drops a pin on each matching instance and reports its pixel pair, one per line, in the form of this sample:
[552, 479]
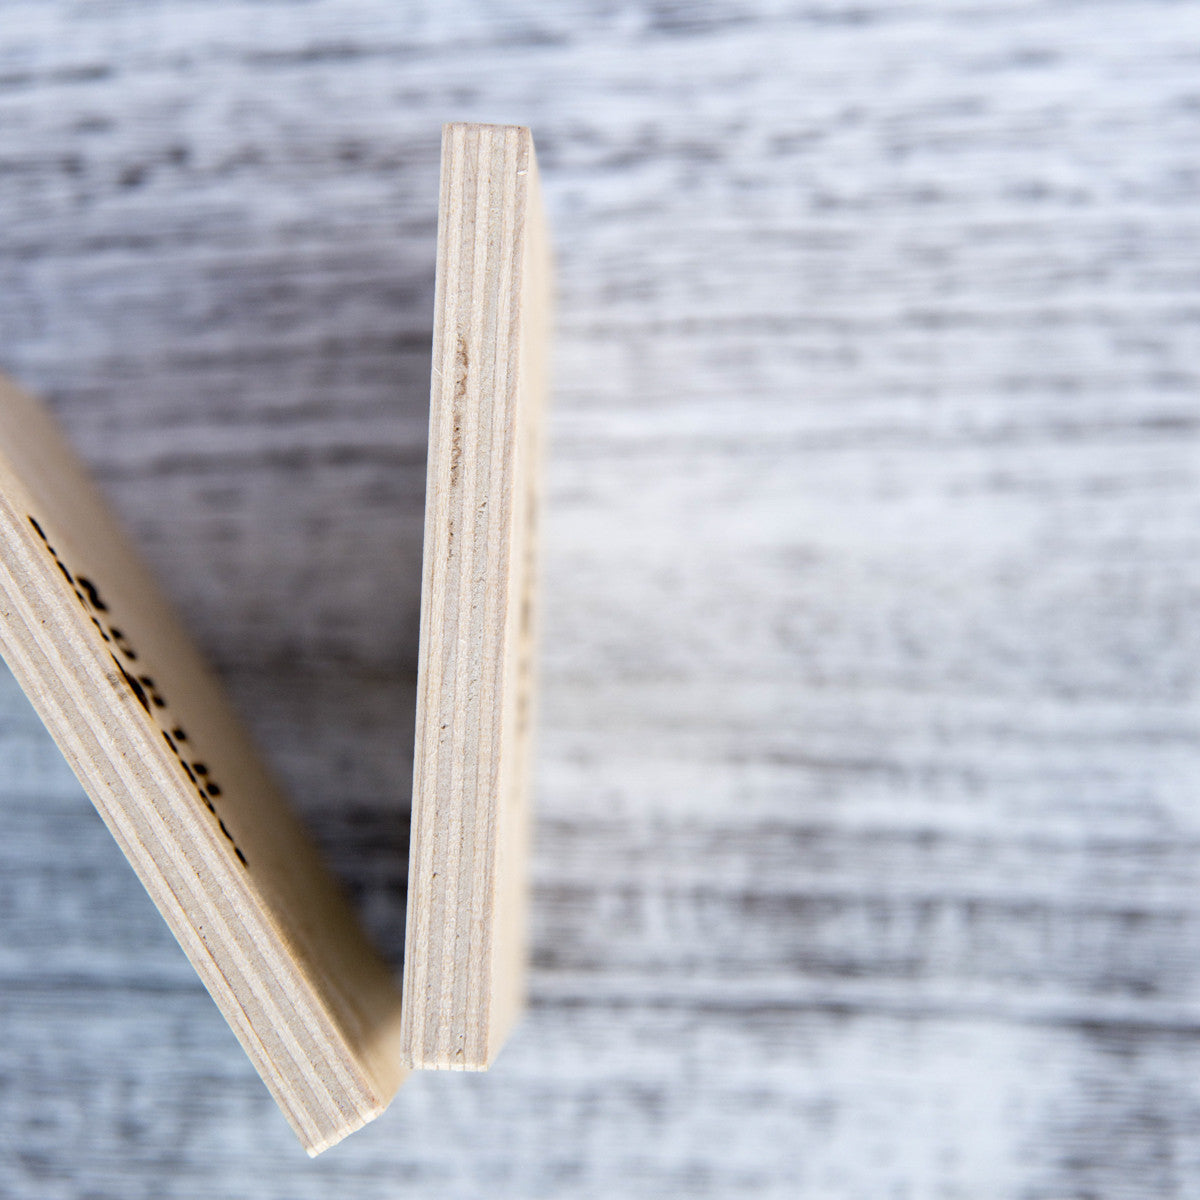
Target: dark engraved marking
[93, 592]
[152, 691]
[123, 645]
[134, 686]
[143, 687]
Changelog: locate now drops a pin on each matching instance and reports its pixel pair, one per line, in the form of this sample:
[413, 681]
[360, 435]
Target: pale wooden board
[464, 965]
[150, 736]
[866, 862]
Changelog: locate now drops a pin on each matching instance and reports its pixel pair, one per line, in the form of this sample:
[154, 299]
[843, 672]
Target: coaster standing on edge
[464, 962]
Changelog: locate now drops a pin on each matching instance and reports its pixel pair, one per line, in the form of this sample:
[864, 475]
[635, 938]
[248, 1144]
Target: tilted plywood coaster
[465, 950]
[149, 734]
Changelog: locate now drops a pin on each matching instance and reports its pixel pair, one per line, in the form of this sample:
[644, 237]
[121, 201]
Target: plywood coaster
[465, 950]
[146, 729]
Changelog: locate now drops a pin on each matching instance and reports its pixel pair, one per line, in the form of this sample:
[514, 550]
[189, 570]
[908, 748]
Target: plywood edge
[144, 726]
[465, 946]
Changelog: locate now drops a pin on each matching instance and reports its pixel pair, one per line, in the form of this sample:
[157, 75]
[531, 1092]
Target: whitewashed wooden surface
[869, 846]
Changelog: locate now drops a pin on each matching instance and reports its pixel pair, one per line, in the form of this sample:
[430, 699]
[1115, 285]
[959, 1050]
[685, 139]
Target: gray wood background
[869, 846]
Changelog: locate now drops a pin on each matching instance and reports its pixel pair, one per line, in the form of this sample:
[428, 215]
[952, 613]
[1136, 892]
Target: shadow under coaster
[146, 728]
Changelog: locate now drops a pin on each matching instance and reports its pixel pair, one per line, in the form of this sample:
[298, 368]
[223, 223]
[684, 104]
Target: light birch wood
[150, 736]
[465, 947]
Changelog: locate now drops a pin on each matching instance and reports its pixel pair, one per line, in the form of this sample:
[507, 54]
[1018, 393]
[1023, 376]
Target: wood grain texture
[465, 959]
[150, 736]
[867, 855]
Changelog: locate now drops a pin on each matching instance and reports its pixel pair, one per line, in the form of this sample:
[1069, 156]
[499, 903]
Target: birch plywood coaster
[158, 749]
[464, 957]
[145, 727]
